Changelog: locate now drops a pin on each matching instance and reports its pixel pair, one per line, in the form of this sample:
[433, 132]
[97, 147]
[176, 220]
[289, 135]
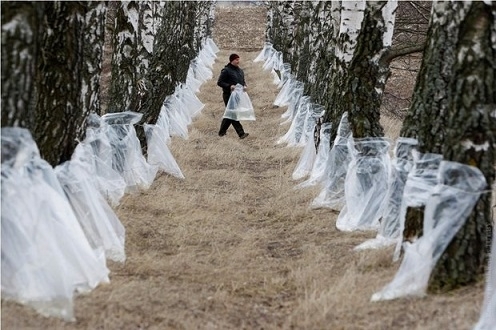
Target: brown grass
[234, 246]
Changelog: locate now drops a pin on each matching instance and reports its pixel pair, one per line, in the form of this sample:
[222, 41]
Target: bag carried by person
[239, 106]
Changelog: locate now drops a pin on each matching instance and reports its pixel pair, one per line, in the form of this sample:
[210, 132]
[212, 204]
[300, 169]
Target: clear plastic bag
[212, 44]
[449, 204]
[159, 154]
[284, 96]
[46, 257]
[318, 169]
[96, 150]
[191, 80]
[265, 53]
[390, 222]
[274, 61]
[239, 106]
[296, 130]
[284, 73]
[365, 184]
[127, 158]
[188, 102]
[102, 228]
[332, 194]
[305, 163]
[295, 95]
[419, 183]
[176, 121]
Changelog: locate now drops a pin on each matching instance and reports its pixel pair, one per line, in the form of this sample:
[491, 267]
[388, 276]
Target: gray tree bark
[426, 119]
[124, 82]
[470, 138]
[368, 73]
[281, 28]
[177, 43]
[307, 34]
[21, 23]
[453, 114]
[68, 68]
[154, 44]
[322, 57]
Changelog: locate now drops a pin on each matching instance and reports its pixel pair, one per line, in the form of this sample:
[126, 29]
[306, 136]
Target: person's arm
[243, 79]
[222, 81]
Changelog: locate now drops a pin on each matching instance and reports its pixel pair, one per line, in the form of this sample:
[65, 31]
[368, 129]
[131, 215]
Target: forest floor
[235, 246]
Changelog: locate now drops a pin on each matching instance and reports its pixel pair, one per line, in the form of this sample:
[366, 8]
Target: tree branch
[403, 51]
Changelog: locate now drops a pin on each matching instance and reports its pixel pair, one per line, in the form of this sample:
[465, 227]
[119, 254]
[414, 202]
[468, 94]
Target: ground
[235, 246]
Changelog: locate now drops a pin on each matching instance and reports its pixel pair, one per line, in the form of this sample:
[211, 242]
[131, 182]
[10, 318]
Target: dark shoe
[244, 135]
[221, 134]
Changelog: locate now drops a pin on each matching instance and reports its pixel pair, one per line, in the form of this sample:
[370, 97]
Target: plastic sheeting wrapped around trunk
[448, 205]
[365, 185]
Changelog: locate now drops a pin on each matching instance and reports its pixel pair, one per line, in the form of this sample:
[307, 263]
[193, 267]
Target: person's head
[234, 59]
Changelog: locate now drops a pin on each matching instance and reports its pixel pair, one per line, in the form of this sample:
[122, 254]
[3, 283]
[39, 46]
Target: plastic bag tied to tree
[389, 229]
[159, 154]
[284, 96]
[46, 257]
[127, 157]
[318, 169]
[419, 183]
[100, 224]
[365, 185]
[309, 153]
[96, 150]
[448, 206]
[332, 194]
[295, 94]
[296, 134]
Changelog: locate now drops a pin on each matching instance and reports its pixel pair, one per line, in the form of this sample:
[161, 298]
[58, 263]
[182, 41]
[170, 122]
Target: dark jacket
[230, 75]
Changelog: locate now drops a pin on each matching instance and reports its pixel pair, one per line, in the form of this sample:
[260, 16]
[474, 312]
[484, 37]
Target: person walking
[229, 76]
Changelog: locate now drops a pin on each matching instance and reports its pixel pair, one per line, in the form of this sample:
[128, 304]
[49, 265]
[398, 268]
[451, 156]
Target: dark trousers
[228, 122]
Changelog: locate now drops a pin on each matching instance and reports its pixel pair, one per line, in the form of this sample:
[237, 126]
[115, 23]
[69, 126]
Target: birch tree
[124, 81]
[359, 70]
[57, 49]
[21, 23]
[369, 71]
[175, 45]
[67, 85]
[317, 56]
[154, 44]
[324, 30]
[281, 28]
[453, 114]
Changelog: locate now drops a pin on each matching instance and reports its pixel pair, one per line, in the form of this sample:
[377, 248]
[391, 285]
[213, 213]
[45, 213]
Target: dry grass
[234, 246]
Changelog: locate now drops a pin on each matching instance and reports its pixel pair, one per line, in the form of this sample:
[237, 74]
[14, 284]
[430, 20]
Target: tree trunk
[123, 88]
[470, 138]
[368, 73]
[176, 44]
[108, 47]
[93, 49]
[345, 41]
[281, 29]
[426, 119]
[322, 55]
[21, 24]
[67, 76]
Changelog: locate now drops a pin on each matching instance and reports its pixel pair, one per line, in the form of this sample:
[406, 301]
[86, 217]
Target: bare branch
[420, 10]
[403, 51]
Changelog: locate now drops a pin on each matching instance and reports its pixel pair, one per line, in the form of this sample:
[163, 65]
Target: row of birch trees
[62, 60]
[342, 51]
